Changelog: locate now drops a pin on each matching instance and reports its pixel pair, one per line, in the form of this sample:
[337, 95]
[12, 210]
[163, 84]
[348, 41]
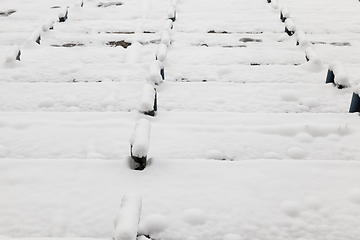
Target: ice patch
[195, 216]
[214, 154]
[296, 153]
[154, 223]
[46, 102]
[304, 137]
[271, 155]
[291, 208]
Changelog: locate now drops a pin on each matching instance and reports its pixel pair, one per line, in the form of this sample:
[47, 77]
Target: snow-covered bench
[337, 75]
[128, 217]
[139, 144]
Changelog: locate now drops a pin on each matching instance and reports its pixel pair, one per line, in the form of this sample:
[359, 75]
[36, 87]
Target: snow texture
[341, 76]
[312, 56]
[47, 25]
[275, 4]
[301, 39]
[161, 52]
[128, 218]
[140, 138]
[33, 38]
[165, 38]
[168, 25]
[63, 12]
[12, 54]
[154, 72]
[290, 25]
[173, 3]
[247, 143]
[285, 12]
[171, 12]
[153, 224]
[147, 98]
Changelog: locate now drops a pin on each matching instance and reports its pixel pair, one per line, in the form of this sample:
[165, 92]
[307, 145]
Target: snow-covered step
[58, 39]
[78, 71]
[180, 54]
[253, 136]
[175, 96]
[343, 53]
[66, 135]
[335, 17]
[120, 26]
[69, 199]
[252, 72]
[229, 136]
[75, 97]
[249, 98]
[233, 40]
[79, 63]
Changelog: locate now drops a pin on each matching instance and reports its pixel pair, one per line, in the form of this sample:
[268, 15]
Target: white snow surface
[147, 98]
[140, 138]
[128, 218]
[341, 76]
[248, 141]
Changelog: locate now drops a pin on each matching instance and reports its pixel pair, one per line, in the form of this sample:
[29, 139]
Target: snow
[168, 25]
[165, 38]
[195, 216]
[248, 141]
[161, 52]
[140, 138]
[63, 14]
[35, 37]
[48, 25]
[312, 56]
[290, 25]
[128, 217]
[13, 54]
[154, 72]
[153, 224]
[172, 12]
[341, 76]
[147, 98]
[301, 38]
